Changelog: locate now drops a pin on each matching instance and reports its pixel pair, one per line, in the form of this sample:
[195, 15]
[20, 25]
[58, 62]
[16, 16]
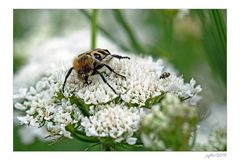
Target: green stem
[194, 138]
[125, 25]
[93, 28]
[104, 31]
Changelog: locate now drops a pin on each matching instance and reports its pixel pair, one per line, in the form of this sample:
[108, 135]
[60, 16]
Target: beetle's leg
[112, 55]
[119, 57]
[41, 125]
[86, 80]
[104, 80]
[65, 80]
[114, 71]
[115, 56]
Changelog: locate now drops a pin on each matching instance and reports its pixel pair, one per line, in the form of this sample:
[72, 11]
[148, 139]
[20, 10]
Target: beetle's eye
[97, 56]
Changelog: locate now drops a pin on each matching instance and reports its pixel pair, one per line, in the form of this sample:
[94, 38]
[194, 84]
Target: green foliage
[39, 145]
[215, 41]
[77, 101]
[169, 126]
[81, 105]
[154, 100]
[18, 61]
[21, 28]
[217, 141]
[102, 144]
[79, 135]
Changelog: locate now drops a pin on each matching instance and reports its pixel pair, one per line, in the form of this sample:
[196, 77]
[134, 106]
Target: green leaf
[74, 100]
[79, 135]
[81, 105]
[154, 100]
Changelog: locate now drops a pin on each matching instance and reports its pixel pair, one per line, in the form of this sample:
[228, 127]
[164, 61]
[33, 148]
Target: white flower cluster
[114, 120]
[143, 82]
[108, 118]
[41, 109]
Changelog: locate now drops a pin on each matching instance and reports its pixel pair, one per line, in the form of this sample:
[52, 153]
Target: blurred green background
[193, 41]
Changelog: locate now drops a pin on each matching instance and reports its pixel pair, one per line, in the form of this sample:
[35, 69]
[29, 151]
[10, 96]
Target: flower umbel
[95, 111]
[168, 126]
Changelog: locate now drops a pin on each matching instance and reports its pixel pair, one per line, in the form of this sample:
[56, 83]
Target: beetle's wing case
[99, 54]
[104, 52]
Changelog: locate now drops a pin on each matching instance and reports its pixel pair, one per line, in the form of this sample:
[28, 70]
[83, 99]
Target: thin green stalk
[219, 33]
[194, 138]
[220, 24]
[129, 32]
[93, 29]
[104, 31]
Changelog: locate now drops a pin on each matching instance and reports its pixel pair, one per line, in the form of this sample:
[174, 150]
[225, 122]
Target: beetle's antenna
[67, 75]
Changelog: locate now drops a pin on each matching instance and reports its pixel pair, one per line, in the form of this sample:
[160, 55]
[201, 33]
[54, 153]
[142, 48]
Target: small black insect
[88, 63]
[164, 75]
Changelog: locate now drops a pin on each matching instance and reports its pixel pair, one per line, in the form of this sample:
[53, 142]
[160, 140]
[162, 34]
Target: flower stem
[104, 31]
[93, 28]
[194, 138]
